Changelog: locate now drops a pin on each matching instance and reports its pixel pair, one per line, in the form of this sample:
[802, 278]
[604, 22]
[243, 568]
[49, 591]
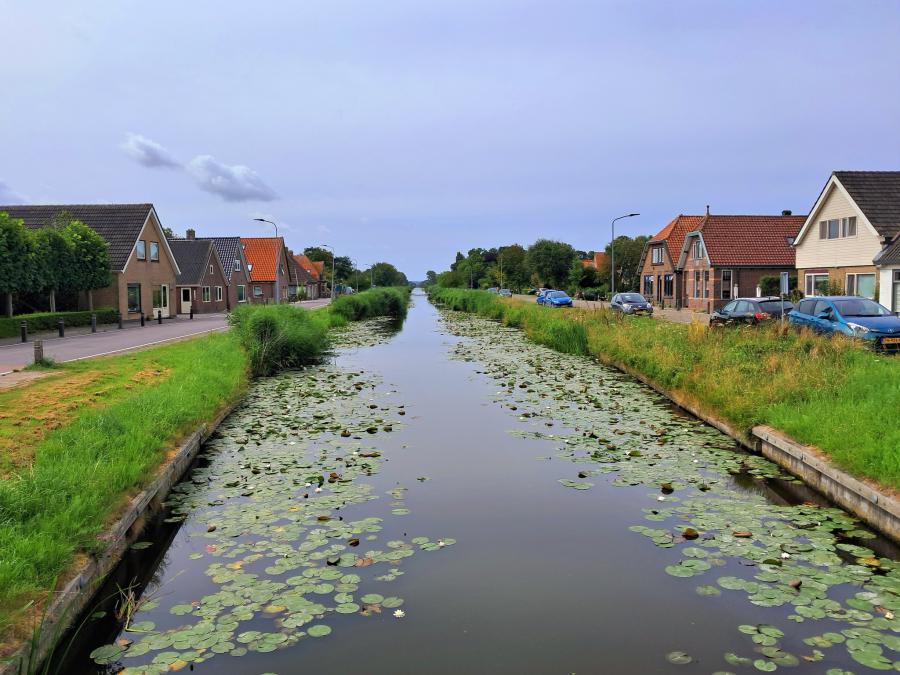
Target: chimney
[189, 233]
[787, 212]
[707, 209]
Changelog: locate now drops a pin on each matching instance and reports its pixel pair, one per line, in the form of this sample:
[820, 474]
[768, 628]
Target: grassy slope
[831, 393]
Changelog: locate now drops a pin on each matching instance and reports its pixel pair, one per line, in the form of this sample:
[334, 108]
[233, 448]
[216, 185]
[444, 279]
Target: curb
[75, 596]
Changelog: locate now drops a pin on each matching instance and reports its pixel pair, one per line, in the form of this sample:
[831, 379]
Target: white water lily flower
[661, 498]
[399, 613]
[441, 543]
[318, 489]
[309, 485]
[785, 556]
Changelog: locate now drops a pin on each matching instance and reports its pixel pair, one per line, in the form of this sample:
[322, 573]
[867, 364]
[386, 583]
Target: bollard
[62, 328]
[93, 323]
[159, 317]
[192, 311]
[23, 327]
[119, 316]
[38, 351]
[142, 319]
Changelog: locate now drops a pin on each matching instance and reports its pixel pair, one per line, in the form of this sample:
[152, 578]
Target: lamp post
[332, 267]
[277, 266]
[612, 254]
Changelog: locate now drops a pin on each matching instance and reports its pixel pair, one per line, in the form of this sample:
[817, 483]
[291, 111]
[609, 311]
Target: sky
[405, 130]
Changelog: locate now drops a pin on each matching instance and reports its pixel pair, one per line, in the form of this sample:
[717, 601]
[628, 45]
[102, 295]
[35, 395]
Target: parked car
[850, 315]
[493, 290]
[557, 299]
[540, 295]
[506, 293]
[749, 311]
[630, 303]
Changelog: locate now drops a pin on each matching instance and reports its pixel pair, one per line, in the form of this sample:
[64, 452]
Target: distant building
[202, 284]
[269, 273]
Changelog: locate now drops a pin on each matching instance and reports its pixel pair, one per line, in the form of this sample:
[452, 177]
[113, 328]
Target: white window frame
[140, 249]
[726, 288]
[257, 292]
[657, 255]
[154, 251]
[241, 293]
[697, 284]
[237, 265]
[218, 294]
[855, 283]
[809, 283]
[697, 249]
[207, 295]
[210, 269]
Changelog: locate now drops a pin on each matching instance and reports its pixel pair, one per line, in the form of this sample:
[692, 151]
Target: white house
[855, 221]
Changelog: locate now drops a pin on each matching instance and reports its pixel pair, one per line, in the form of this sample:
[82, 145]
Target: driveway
[675, 315]
[13, 356]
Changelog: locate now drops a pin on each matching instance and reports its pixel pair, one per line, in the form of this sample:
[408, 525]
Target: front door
[164, 300]
[185, 300]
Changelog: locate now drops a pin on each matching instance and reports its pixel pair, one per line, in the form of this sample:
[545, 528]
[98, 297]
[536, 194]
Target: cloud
[10, 196]
[148, 153]
[235, 183]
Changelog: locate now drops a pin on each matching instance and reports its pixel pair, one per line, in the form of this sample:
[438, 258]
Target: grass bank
[832, 393]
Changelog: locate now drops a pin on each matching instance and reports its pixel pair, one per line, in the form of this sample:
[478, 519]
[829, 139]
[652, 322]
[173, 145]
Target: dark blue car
[850, 315]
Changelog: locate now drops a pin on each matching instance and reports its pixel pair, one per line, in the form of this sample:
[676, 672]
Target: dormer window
[657, 255]
[698, 249]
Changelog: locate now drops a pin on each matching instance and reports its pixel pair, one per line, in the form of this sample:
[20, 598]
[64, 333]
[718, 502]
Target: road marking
[145, 344]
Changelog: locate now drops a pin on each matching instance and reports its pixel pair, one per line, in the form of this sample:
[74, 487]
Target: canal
[446, 497]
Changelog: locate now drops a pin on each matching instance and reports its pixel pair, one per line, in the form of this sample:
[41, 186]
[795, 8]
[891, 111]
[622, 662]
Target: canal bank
[570, 492]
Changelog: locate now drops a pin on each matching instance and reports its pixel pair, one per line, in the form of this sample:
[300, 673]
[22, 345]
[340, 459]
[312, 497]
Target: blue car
[557, 299]
[541, 293]
[850, 315]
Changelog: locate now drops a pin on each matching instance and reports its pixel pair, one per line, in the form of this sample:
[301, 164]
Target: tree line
[64, 256]
[345, 271]
[546, 263]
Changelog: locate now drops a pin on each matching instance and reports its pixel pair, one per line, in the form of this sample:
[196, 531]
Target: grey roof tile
[877, 194]
[192, 256]
[228, 249]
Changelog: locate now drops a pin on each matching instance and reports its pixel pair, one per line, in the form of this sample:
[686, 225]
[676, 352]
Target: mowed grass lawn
[76, 444]
[832, 393]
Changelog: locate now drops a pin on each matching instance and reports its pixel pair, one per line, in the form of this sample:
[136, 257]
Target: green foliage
[833, 393]
[551, 262]
[771, 284]
[581, 277]
[49, 320]
[15, 255]
[375, 302]
[385, 274]
[628, 256]
[90, 256]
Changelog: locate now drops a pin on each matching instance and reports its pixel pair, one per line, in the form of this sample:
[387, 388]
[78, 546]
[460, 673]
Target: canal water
[451, 498]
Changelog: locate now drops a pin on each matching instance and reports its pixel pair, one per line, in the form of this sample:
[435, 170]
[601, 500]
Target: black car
[749, 311]
[630, 303]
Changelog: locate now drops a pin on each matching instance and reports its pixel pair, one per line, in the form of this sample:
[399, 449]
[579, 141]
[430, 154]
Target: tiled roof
[320, 267]
[192, 256]
[750, 240]
[298, 275]
[307, 265]
[228, 249]
[889, 255]
[262, 253]
[673, 233]
[119, 224]
[877, 194]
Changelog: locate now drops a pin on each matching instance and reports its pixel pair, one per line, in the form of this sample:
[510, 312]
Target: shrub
[49, 320]
[371, 303]
[280, 336]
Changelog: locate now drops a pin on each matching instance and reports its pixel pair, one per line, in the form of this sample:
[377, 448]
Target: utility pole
[612, 254]
[277, 266]
[332, 268]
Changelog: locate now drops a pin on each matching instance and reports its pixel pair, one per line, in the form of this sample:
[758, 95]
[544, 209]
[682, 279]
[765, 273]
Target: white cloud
[235, 183]
[10, 196]
[148, 153]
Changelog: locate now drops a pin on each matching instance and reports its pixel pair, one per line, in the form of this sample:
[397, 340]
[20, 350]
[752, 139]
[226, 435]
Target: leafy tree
[628, 256]
[431, 278]
[550, 261]
[581, 276]
[386, 274]
[343, 266]
[15, 257]
[515, 271]
[53, 259]
[90, 255]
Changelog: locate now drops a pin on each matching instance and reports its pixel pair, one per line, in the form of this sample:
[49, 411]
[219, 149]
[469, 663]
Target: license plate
[891, 341]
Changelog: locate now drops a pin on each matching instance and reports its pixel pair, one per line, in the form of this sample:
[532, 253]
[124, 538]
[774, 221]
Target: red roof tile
[308, 265]
[750, 240]
[262, 253]
[673, 233]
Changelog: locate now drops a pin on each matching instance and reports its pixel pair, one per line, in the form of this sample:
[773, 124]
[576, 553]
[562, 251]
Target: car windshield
[773, 306]
[632, 297]
[557, 294]
[859, 307]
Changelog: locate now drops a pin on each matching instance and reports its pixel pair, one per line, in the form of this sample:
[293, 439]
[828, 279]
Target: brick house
[851, 237]
[237, 272]
[316, 289]
[269, 272]
[141, 261]
[202, 284]
[726, 256]
[660, 277]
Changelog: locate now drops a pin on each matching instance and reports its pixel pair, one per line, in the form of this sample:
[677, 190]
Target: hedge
[49, 320]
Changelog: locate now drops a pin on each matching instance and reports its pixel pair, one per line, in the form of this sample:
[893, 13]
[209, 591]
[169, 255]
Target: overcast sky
[404, 130]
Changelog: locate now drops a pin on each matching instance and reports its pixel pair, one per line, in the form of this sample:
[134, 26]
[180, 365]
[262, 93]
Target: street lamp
[332, 267]
[277, 266]
[612, 253]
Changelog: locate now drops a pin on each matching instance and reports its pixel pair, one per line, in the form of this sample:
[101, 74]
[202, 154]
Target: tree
[53, 259]
[628, 256]
[550, 261]
[581, 276]
[343, 266]
[386, 274]
[515, 272]
[15, 257]
[90, 255]
[431, 278]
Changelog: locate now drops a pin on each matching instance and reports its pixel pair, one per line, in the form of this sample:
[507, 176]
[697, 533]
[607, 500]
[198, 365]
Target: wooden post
[24, 328]
[38, 351]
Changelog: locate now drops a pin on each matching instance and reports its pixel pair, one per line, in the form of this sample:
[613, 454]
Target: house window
[705, 283]
[210, 269]
[218, 293]
[134, 298]
[206, 294]
[896, 306]
[657, 255]
[257, 291]
[668, 285]
[862, 285]
[154, 251]
[648, 285]
[241, 293]
[848, 226]
[837, 227]
[726, 285]
[698, 249]
[815, 284]
[697, 283]
[237, 265]
[140, 249]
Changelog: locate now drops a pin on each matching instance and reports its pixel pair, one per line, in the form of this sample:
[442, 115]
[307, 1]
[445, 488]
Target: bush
[374, 302]
[49, 320]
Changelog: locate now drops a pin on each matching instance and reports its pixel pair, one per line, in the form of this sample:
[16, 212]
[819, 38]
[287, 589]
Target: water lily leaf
[107, 654]
[679, 658]
[318, 630]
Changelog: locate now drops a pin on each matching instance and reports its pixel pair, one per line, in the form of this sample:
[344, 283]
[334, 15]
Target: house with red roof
[316, 285]
[725, 256]
[661, 281]
[269, 272]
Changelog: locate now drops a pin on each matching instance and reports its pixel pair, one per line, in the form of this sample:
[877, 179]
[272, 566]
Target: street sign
[785, 281]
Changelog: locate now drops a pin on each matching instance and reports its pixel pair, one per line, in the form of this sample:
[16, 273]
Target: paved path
[676, 315]
[314, 304]
[110, 342]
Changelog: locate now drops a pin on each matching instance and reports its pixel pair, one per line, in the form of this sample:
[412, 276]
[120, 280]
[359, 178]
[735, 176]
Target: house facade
[269, 272]
[234, 264]
[847, 242]
[660, 278]
[202, 286]
[142, 264]
[726, 257]
[316, 289]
